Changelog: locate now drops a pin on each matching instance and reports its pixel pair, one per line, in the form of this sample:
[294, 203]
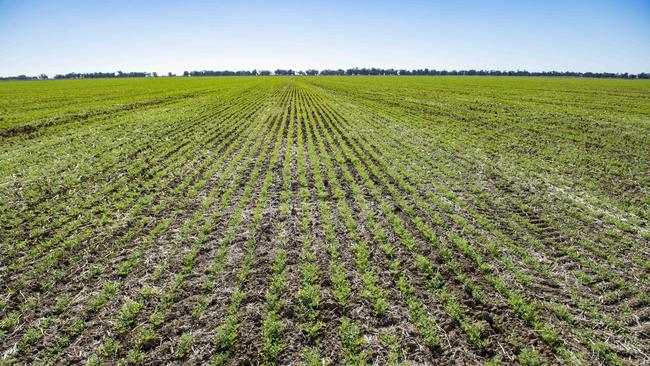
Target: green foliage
[184, 345]
[530, 357]
[352, 343]
[62, 304]
[108, 290]
[109, 347]
[126, 315]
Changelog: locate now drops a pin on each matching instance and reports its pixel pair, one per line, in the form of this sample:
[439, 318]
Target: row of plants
[226, 334]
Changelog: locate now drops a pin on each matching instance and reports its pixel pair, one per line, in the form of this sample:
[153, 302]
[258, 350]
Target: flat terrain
[325, 220]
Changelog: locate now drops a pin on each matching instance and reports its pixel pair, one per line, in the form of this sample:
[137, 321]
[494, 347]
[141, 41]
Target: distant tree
[281, 72]
[332, 72]
[186, 73]
[154, 74]
[311, 72]
[265, 73]
[43, 77]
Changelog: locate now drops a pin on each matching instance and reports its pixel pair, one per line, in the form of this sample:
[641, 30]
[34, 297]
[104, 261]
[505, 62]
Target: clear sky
[61, 36]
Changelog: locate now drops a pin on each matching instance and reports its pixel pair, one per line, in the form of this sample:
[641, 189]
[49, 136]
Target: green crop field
[325, 221]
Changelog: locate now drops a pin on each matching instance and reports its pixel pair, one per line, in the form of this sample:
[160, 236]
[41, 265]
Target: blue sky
[83, 36]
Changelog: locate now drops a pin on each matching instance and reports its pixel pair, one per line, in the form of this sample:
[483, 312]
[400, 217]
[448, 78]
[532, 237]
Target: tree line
[105, 75]
[348, 72]
[86, 75]
[418, 72]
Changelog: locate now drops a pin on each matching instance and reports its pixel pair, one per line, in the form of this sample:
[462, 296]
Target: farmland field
[325, 220]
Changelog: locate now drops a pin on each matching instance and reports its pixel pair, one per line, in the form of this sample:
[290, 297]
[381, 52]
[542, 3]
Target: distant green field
[325, 220]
